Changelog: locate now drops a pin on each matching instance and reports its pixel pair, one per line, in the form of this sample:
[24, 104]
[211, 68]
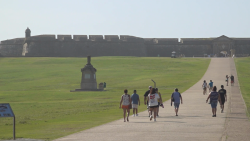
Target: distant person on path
[153, 103]
[227, 79]
[214, 97]
[232, 80]
[223, 97]
[125, 102]
[211, 83]
[145, 98]
[135, 101]
[204, 87]
[176, 97]
[159, 101]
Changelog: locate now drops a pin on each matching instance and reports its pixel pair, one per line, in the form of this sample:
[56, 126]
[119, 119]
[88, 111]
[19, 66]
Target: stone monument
[88, 80]
[88, 76]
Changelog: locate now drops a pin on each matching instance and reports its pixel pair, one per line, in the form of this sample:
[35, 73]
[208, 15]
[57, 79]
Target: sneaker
[221, 111]
[137, 115]
[133, 115]
[154, 120]
[157, 115]
[150, 118]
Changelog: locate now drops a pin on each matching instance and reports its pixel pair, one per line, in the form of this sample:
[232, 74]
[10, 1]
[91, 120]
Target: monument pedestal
[88, 82]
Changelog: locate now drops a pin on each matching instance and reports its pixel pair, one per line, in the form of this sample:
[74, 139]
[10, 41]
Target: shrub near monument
[38, 90]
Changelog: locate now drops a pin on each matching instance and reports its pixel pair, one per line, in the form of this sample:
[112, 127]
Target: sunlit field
[38, 90]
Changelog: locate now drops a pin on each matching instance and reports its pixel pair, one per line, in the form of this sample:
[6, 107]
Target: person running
[159, 101]
[211, 83]
[153, 103]
[214, 97]
[145, 98]
[223, 97]
[204, 87]
[227, 79]
[135, 101]
[232, 80]
[176, 97]
[125, 102]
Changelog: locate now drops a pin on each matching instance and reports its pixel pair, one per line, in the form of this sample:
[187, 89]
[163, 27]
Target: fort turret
[27, 33]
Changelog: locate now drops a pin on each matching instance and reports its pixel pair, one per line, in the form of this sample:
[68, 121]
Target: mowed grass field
[38, 90]
[243, 71]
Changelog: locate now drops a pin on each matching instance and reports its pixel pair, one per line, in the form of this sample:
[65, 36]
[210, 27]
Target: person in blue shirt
[135, 101]
[210, 85]
[177, 99]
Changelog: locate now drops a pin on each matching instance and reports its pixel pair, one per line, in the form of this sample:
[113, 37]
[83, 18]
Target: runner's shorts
[222, 101]
[176, 105]
[134, 105]
[214, 104]
[125, 106]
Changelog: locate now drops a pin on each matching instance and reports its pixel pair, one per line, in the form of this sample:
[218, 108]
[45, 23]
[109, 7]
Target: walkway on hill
[195, 121]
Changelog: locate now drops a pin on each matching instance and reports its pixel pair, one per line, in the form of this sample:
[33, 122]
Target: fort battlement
[119, 45]
[84, 38]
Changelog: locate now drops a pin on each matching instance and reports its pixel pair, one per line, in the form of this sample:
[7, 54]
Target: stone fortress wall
[114, 45]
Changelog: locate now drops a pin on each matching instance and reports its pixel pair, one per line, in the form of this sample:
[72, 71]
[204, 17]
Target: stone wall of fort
[114, 45]
[80, 46]
[11, 48]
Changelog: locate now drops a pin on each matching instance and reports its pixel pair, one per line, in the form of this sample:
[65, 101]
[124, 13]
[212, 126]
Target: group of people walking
[153, 100]
[206, 86]
[215, 96]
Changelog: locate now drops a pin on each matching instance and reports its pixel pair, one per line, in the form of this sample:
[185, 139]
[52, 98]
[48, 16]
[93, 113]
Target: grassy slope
[38, 90]
[243, 70]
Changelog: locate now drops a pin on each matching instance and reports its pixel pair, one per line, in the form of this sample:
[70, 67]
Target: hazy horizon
[145, 19]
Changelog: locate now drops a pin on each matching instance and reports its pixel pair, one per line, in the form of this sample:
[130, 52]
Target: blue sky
[141, 18]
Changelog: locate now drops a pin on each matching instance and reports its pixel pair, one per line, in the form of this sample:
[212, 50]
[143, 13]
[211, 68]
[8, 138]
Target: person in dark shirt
[223, 97]
[214, 97]
[145, 97]
[232, 80]
[227, 79]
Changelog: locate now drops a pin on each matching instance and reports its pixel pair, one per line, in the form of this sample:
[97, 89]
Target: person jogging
[176, 98]
[153, 103]
[223, 97]
[135, 101]
[145, 98]
[211, 84]
[125, 102]
[204, 87]
[214, 97]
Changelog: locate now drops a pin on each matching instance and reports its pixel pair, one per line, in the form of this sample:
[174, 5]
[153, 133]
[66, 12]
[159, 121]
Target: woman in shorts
[204, 87]
[214, 98]
[125, 102]
[153, 103]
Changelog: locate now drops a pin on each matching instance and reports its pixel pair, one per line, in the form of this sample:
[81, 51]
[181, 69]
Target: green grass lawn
[38, 90]
[243, 70]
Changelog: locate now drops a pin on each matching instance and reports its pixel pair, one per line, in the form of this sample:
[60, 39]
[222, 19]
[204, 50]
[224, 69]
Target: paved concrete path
[237, 127]
[195, 121]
